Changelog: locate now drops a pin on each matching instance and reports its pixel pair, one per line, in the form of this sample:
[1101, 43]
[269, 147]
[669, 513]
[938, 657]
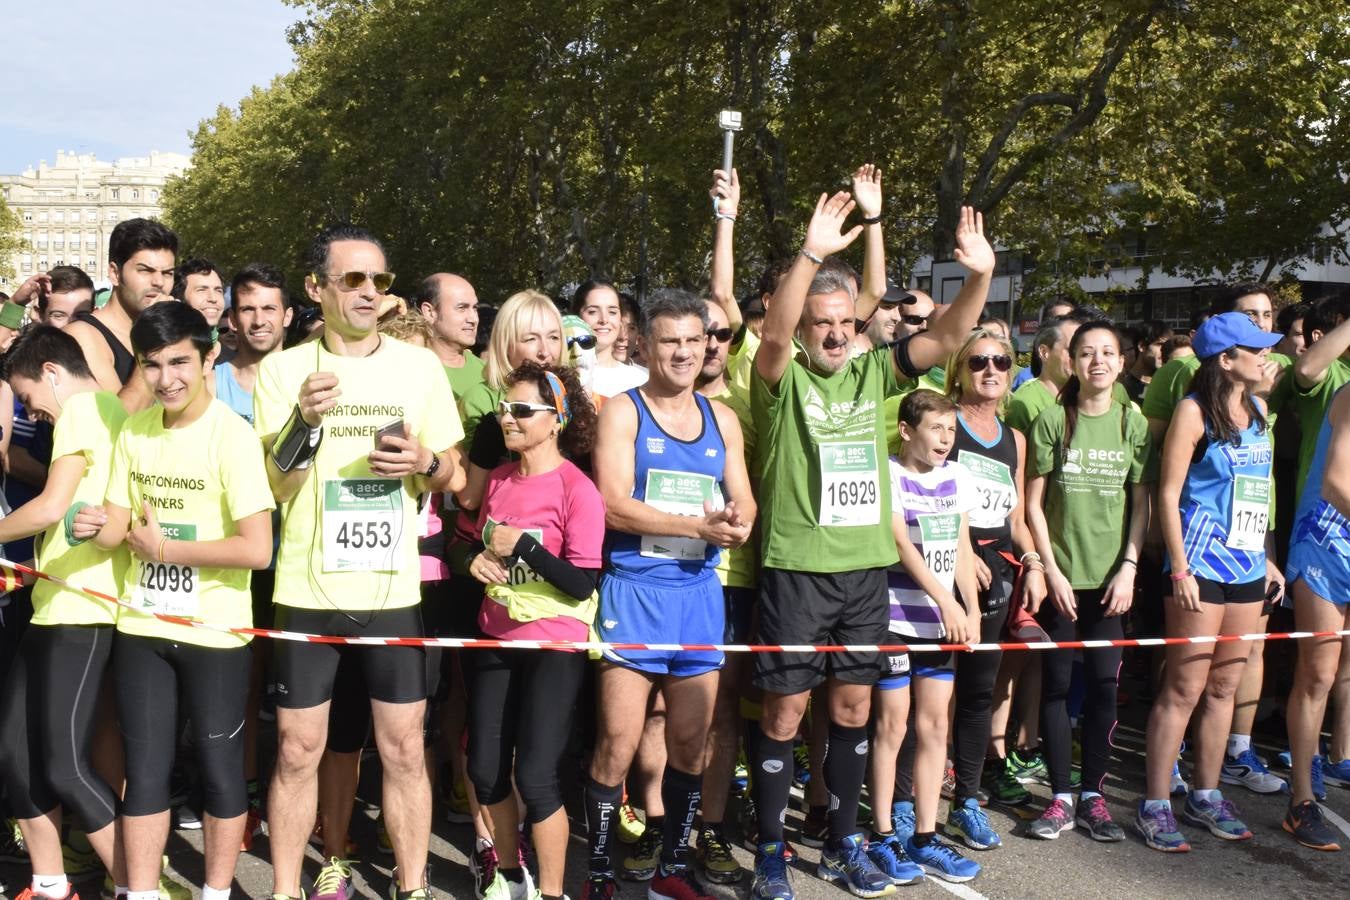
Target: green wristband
[11, 316]
[70, 523]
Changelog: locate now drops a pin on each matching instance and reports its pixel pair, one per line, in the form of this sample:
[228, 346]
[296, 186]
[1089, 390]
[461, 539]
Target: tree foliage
[11, 239]
[542, 142]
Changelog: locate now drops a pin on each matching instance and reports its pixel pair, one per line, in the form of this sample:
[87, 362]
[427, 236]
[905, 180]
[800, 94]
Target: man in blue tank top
[670, 465]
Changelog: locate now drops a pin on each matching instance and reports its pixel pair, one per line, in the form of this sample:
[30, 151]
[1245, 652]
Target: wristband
[11, 315]
[70, 524]
[872, 220]
[1180, 576]
[811, 256]
[1129, 562]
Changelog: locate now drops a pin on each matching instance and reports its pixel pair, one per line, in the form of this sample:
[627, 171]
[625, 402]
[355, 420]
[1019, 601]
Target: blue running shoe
[771, 873]
[970, 825]
[849, 864]
[1158, 828]
[1247, 770]
[942, 860]
[1338, 773]
[888, 854]
[1319, 786]
[1284, 759]
[902, 819]
[1218, 815]
[1179, 786]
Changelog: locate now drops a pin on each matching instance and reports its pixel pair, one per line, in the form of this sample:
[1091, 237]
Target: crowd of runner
[837, 461]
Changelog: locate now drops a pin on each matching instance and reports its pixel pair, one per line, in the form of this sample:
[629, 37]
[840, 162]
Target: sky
[122, 79]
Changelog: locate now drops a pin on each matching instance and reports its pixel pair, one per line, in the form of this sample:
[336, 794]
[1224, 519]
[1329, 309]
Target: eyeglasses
[518, 410]
[584, 341]
[350, 281]
[910, 319]
[721, 335]
[980, 361]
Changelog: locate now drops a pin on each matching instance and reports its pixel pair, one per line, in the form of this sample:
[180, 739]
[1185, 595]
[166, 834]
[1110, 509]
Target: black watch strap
[434, 467]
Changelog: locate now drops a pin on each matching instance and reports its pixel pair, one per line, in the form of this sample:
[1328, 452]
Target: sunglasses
[910, 319]
[980, 361]
[584, 341]
[518, 410]
[721, 335]
[350, 281]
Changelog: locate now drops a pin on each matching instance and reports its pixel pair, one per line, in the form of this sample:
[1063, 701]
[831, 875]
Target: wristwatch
[434, 467]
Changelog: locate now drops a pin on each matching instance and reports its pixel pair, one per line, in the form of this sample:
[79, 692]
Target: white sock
[120, 890]
[210, 893]
[483, 842]
[1088, 795]
[54, 886]
[1207, 796]
[1067, 798]
[1239, 744]
[143, 895]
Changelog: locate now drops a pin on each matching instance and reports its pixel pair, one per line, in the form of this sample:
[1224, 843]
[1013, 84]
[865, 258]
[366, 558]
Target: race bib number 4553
[850, 484]
[362, 524]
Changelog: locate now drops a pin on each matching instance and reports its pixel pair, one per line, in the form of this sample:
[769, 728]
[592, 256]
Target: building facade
[69, 209]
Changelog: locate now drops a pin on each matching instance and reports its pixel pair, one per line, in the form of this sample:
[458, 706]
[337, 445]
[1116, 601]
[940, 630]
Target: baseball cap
[1228, 330]
[895, 295]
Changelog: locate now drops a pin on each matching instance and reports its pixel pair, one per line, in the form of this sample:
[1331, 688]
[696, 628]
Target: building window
[116, 194]
[42, 216]
[154, 196]
[27, 216]
[74, 215]
[59, 216]
[135, 195]
[90, 264]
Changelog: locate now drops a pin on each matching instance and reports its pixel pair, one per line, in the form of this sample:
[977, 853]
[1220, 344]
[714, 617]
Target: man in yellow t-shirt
[354, 426]
[45, 765]
[188, 496]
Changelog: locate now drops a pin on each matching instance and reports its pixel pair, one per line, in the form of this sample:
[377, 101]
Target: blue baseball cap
[1228, 330]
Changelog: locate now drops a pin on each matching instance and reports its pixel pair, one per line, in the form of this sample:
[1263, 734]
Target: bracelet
[726, 216]
[1180, 576]
[1030, 555]
[1129, 562]
[11, 315]
[162, 541]
[872, 220]
[811, 256]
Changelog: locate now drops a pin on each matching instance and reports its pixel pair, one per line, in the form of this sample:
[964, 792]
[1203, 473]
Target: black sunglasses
[910, 319]
[584, 341]
[980, 361]
[721, 335]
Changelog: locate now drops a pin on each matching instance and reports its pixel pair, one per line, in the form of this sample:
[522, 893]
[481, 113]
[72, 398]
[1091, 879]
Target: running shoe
[942, 860]
[382, 840]
[1309, 828]
[676, 883]
[640, 863]
[888, 855]
[602, 887]
[252, 827]
[1028, 768]
[1056, 819]
[334, 881]
[523, 847]
[1319, 785]
[815, 830]
[27, 894]
[185, 818]
[1004, 786]
[1220, 816]
[969, 824]
[750, 833]
[1178, 787]
[498, 889]
[1338, 773]
[848, 864]
[418, 893]
[630, 826]
[483, 867]
[714, 854]
[1093, 815]
[801, 764]
[1158, 828]
[12, 846]
[740, 778]
[168, 888]
[1246, 769]
[902, 819]
[771, 874]
[518, 890]
[457, 804]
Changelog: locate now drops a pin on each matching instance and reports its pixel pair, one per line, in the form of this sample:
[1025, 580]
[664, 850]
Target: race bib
[994, 489]
[168, 588]
[850, 484]
[1250, 515]
[939, 534]
[362, 524]
[680, 494]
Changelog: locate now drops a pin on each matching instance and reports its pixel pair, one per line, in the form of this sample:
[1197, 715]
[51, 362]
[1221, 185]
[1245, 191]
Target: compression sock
[772, 782]
[602, 802]
[680, 795]
[845, 767]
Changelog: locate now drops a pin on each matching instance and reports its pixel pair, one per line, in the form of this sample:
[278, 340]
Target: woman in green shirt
[1087, 507]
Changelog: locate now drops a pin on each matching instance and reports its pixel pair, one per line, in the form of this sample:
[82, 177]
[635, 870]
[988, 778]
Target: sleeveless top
[124, 361]
[994, 467]
[673, 476]
[231, 394]
[1225, 503]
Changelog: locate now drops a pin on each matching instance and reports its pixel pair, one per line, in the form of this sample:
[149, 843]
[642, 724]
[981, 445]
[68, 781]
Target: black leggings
[975, 676]
[1101, 669]
[47, 718]
[151, 675]
[520, 711]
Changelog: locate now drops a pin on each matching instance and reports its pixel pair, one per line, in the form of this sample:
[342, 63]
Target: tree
[11, 239]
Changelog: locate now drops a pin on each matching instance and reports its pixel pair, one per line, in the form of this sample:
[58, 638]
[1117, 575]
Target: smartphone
[1272, 594]
[388, 429]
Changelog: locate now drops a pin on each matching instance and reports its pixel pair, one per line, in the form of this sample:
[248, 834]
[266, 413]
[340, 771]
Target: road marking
[1335, 819]
[959, 890]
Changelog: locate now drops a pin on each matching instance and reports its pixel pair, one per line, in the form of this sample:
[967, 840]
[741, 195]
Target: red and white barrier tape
[480, 643]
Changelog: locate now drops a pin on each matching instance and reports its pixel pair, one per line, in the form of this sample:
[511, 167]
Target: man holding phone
[347, 564]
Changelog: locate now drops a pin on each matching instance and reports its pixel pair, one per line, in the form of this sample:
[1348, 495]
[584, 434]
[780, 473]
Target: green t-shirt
[466, 376]
[1031, 399]
[1311, 407]
[1087, 502]
[825, 493]
[1168, 386]
[478, 401]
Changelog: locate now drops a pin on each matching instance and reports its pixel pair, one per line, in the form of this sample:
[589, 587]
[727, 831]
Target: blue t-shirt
[231, 394]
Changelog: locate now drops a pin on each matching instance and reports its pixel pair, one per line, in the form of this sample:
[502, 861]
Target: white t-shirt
[931, 504]
[610, 381]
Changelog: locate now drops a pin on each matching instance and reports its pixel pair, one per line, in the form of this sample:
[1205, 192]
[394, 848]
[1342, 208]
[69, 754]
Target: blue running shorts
[1319, 553]
[653, 611]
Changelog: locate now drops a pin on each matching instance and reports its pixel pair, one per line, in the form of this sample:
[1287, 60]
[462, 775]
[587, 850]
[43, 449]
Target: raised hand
[318, 395]
[972, 250]
[726, 193]
[867, 190]
[825, 235]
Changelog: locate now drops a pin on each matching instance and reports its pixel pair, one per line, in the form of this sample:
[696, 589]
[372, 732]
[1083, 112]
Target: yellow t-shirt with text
[349, 538]
[200, 480]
